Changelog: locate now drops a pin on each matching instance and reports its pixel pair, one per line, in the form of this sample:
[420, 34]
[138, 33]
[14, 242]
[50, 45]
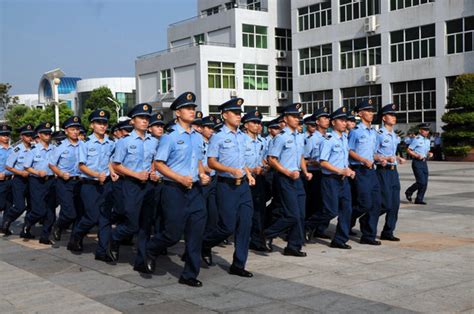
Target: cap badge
[47, 125]
[145, 107]
[298, 106]
[101, 113]
[75, 119]
[189, 96]
[343, 109]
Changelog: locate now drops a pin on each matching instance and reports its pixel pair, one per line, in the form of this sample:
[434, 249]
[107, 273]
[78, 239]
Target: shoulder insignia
[58, 143]
[259, 139]
[87, 139]
[16, 149]
[356, 127]
[169, 131]
[281, 132]
[309, 136]
[32, 146]
[125, 135]
[327, 136]
[380, 131]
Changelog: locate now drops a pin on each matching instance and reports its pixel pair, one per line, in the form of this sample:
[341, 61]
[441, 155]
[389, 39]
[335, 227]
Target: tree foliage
[99, 99]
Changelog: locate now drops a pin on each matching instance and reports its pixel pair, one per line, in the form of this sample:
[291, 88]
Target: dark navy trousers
[183, 211]
[20, 198]
[98, 202]
[258, 218]
[43, 203]
[209, 194]
[291, 212]
[336, 203]
[69, 196]
[5, 195]
[314, 200]
[234, 203]
[368, 202]
[390, 187]
[420, 170]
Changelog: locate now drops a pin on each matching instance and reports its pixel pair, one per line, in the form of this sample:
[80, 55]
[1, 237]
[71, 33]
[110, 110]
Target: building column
[441, 101]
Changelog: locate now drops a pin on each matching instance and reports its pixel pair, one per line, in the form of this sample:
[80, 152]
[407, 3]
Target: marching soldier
[179, 160]
[286, 156]
[335, 188]
[5, 174]
[197, 122]
[419, 150]
[351, 121]
[387, 160]
[82, 133]
[42, 186]
[96, 189]
[20, 191]
[226, 155]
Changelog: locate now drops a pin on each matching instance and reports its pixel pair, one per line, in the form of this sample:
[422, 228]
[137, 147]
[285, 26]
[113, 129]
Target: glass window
[315, 59]
[312, 101]
[221, 75]
[255, 76]
[353, 95]
[283, 39]
[360, 52]
[459, 35]
[416, 100]
[314, 16]
[254, 36]
[412, 43]
[402, 4]
[165, 81]
[356, 9]
[284, 81]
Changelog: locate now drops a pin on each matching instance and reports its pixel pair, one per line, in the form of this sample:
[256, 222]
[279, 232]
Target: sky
[85, 38]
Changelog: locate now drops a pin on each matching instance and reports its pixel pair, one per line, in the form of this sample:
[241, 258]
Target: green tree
[458, 135]
[99, 99]
[5, 99]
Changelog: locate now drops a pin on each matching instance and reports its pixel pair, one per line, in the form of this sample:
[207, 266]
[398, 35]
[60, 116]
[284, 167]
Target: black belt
[360, 167]
[135, 180]
[387, 167]
[8, 177]
[179, 185]
[232, 181]
[44, 179]
[74, 178]
[95, 182]
[334, 176]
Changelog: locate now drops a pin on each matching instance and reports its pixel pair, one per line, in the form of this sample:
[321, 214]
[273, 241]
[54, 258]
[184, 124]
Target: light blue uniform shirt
[387, 143]
[420, 145]
[181, 151]
[288, 147]
[4, 153]
[254, 152]
[205, 149]
[17, 157]
[96, 155]
[229, 149]
[66, 158]
[267, 141]
[312, 148]
[135, 153]
[362, 141]
[335, 150]
[38, 158]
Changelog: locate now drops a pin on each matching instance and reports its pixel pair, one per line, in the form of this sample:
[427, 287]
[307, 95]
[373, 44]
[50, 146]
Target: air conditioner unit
[233, 94]
[281, 54]
[370, 25]
[371, 74]
[282, 95]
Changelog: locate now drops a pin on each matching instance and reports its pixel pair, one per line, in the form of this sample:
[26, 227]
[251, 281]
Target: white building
[405, 52]
[232, 48]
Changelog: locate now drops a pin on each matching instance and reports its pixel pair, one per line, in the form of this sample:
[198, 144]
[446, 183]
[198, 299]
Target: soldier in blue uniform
[312, 152]
[387, 160]
[96, 190]
[419, 150]
[197, 122]
[20, 191]
[351, 121]
[254, 155]
[42, 186]
[64, 162]
[179, 160]
[226, 155]
[335, 188]
[133, 160]
[5, 174]
[286, 156]
[82, 133]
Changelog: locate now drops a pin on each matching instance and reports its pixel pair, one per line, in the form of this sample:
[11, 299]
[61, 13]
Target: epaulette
[356, 127]
[309, 136]
[380, 131]
[87, 139]
[32, 146]
[169, 131]
[58, 143]
[327, 136]
[281, 132]
[259, 139]
[125, 135]
[16, 149]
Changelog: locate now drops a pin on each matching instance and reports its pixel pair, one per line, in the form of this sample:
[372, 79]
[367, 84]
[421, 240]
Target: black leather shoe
[56, 233]
[233, 270]
[292, 252]
[113, 250]
[104, 258]
[190, 282]
[25, 233]
[45, 241]
[6, 228]
[308, 235]
[408, 196]
[150, 264]
[369, 242]
[338, 245]
[321, 235]
[258, 248]
[206, 255]
[420, 203]
[270, 244]
[389, 238]
[74, 246]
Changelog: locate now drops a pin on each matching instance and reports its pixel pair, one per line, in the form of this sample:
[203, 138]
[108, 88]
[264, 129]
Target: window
[361, 52]
[199, 39]
[355, 9]
[412, 43]
[459, 35]
[256, 76]
[316, 59]
[165, 81]
[230, 5]
[312, 101]
[283, 39]
[127, 100]
[221, 75]
[211, 11]
[416, 100]
[314, 16]
[354, 95]
[264, 110]
[254, 36]
[254, 5]
[284, 81]
[214, 110]
[402, 4]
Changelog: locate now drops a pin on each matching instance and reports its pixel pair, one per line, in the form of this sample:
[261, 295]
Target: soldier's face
[323, 122]
[99, 127]
[26, 138]
[273, 131]
[232, 118]
[424, 132]
[45, 137]
[293, 121]
[198, 128]
[186, 114]
[72, 133]
[339, 125]
[156, 130]
[350, 124]
[310, 128]
[4, 139]
[252, 127]
[141, 122]
[207, 132]
[366, 115]
[389, 119]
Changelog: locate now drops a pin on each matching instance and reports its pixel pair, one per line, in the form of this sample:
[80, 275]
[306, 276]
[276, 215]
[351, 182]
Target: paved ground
[430, 270]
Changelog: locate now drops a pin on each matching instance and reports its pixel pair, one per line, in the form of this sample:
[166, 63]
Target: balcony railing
[183, 47]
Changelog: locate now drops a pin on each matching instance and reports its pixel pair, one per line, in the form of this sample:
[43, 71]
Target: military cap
[209, 121]
[280, 118]
[232, 104]
[274, 124]
[114, 128]
[5, 129]
[186, 99]
[72, 121]
[253, 115]
[301, 118]
[389, 109]
[321, 112]
[58, 136]
[351, 115]
[99, 115]
[340, 113]
[364, 105]
[125, 125]
[82, 129]
[168, 126]
[44, 127]
[219, 124]
[27, 129]
[156, 119]
[197, 118]
[293, 109]
[140, 110]
[424, 126]
[311, 120]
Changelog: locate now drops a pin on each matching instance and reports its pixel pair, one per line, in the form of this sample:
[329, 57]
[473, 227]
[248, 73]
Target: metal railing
[183, 47]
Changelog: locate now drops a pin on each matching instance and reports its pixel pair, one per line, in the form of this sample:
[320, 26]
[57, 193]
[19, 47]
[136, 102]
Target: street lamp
[118, 106]
[54, 76]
